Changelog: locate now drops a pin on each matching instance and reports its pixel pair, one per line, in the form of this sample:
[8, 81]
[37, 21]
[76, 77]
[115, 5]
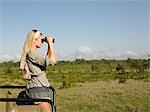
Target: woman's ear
[34, 41]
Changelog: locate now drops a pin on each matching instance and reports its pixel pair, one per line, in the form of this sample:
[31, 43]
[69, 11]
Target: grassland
[106, 96]
[94, 86]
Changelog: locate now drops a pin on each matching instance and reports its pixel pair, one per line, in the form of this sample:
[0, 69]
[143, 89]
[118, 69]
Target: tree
[120, 68]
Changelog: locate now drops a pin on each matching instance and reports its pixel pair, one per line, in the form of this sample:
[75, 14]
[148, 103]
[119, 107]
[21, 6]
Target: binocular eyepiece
[45, 40]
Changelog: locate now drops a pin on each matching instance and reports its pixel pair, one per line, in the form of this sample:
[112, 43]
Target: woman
[33, 64]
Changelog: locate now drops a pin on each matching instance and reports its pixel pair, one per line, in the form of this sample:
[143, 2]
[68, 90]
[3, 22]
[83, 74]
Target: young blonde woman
[33, 65]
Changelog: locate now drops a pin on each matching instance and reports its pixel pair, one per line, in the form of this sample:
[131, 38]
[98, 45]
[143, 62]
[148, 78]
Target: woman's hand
[49, 40]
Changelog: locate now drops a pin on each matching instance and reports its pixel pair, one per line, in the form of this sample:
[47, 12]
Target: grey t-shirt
[37, 63]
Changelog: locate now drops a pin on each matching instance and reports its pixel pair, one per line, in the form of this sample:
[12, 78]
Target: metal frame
[52, 102]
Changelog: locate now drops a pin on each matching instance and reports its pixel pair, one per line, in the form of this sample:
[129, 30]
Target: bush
[120, 68]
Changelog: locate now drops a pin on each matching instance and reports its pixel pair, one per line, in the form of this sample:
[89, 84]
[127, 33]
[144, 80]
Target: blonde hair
[34, 34]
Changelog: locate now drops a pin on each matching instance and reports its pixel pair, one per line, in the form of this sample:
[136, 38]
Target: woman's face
[38, 42]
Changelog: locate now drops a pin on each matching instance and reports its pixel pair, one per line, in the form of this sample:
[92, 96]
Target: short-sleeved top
[37, 64]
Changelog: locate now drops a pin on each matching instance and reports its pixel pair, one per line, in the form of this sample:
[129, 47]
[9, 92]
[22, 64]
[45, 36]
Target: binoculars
[45, 40]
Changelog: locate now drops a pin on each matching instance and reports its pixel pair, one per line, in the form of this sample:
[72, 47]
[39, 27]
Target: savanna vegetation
[93, 85]
[69, 73]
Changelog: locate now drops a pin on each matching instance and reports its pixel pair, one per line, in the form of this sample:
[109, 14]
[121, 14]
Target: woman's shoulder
[33, 53]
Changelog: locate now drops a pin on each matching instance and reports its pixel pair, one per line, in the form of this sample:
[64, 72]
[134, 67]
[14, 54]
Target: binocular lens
[53, 40]
[45, 40]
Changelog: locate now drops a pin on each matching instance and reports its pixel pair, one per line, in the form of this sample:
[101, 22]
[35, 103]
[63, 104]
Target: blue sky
[81, 28]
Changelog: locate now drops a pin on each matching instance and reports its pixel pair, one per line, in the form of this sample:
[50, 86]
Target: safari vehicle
[12, 101]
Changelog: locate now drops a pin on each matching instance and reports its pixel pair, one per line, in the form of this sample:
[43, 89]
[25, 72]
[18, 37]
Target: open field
[100, 96]
[91, 86]
[105, 96]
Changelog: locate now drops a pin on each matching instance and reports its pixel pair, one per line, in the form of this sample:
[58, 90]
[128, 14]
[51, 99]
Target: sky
[89, 29]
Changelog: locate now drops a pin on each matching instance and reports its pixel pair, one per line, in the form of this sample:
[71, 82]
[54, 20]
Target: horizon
[109, 59]
[7, 58]
[83, 29]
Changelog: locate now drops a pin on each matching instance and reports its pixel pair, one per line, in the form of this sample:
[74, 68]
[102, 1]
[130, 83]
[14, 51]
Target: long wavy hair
[34, 34]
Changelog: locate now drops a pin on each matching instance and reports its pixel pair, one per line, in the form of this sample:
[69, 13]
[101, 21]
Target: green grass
[67, 74]
[92, 86]
[105, 96]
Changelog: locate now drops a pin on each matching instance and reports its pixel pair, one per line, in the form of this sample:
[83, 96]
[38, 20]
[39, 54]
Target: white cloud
[7, 57]
[62, 55]
[130, 53]
[88, 53]
[85, 52]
